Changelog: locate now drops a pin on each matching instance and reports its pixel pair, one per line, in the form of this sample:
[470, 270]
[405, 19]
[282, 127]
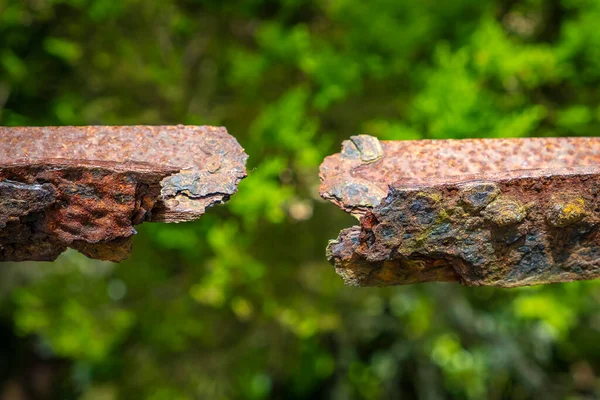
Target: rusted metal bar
[86, 187]
[495, 212]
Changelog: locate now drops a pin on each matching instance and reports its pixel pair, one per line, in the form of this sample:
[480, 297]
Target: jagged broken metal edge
[85, 187]
[481, 212]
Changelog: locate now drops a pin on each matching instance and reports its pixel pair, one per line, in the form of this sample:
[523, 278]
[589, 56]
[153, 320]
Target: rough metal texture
[85, 187]
[498, 212]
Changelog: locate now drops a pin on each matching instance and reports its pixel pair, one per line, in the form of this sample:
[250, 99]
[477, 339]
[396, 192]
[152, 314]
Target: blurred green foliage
[242, 303]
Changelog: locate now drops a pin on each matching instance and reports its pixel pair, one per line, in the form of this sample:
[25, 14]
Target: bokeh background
[242, 303]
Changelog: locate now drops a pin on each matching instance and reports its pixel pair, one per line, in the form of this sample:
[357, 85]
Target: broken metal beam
[86, 187]
[481, 212]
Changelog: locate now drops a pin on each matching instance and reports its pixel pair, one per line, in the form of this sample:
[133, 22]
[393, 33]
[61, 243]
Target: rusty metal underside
[481, 212]
[86, 187]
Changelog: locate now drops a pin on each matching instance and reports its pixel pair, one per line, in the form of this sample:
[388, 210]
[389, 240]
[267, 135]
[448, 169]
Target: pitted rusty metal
[47, 206]
[211, 162]
[497, 212]
[85, 187]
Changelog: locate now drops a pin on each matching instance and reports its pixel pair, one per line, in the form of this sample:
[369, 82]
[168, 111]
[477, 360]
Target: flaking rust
[481, 212]
[86, 187]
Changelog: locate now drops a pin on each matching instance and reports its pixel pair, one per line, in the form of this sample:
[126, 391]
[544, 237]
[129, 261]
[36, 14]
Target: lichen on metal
[86, 187]
[481, 212]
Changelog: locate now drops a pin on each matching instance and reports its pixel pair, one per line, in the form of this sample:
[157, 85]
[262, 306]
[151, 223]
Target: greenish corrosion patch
[369, 148]
[566, 209]
[505, 211]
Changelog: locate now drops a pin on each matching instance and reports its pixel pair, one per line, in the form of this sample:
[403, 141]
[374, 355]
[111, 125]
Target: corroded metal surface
[210, 161]
[498, 212]
[86, 187]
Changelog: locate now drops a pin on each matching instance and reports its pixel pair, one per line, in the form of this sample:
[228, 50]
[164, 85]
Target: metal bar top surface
[359, 176]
